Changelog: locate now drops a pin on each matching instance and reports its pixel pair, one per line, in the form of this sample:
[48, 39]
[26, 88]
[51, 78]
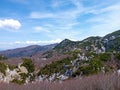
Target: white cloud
[41, 29]
[17, 44]
[41, 15]
[38, 28]
[106, 20]
[10, 24]
[103, 19]
[105, 10]
[56, 3]
[67, 14]
[60, 20]
[38, 42]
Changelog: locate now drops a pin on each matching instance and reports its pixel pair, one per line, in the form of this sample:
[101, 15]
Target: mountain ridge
[90, 56]
[26, 51]
[109, 42]
[94, 42]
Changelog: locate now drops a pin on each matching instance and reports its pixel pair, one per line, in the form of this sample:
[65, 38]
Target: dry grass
[95, 82]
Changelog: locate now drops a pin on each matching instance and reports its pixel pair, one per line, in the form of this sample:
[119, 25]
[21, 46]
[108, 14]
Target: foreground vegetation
[82, 64]
[95, 82]
[76, 65]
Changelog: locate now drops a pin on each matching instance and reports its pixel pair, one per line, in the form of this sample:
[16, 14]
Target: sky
[42, 22]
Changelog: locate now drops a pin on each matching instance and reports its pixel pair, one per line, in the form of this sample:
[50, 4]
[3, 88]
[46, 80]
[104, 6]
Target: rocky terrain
[62, 62]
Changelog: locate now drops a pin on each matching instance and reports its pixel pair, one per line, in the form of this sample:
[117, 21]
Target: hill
[27, 51]
[64, 61]
[108, 43]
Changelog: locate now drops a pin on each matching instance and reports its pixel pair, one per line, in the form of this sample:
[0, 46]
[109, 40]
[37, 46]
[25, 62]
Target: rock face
[20, 74]
[90, 56]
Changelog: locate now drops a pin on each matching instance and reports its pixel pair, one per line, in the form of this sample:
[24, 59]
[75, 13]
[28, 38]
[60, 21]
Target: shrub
[95, 65]
[117, 56]
[3, 67]
[29, 65]
[2, 57]
[104, 57]
[18, 81]
[55, 67]
[12, 67]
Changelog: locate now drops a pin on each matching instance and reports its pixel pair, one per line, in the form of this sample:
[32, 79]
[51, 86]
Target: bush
[12, 67]
[55, 67]
[29, 65]
[18, 81]
[84, 70]
[104, 57]
[95, 65]
[117, 56]
[2, 57]
[3, 67]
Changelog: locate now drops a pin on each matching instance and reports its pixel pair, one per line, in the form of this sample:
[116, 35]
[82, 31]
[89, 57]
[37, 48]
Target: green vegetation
[48, 54]
[55, 67]
[3, 67]
[22, 80]
[117, 55]
[65, 46]
[104, 57]
[2, 57]
[12, 67]
[88, 42]
[30, 67]
[93, 67]
[116, 33]
[17, 81]
[28, 64]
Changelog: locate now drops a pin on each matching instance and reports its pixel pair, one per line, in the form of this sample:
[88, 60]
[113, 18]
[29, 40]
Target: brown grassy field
[94, 82]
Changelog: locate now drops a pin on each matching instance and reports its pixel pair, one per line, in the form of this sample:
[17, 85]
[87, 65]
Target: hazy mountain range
[27, 51]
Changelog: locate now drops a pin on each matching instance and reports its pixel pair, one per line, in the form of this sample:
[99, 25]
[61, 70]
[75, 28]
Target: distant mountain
[65, 45]
[88, 44]
[66, 60]
[110, 42]
[27, 51]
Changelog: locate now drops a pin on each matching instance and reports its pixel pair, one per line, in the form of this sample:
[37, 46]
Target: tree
[3, 67]
[28, 64]
[104, 57]
[117, 56]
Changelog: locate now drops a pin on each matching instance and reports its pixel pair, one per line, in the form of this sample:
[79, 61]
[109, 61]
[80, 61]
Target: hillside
[26, 51]
[112, 41]
[108, 43]
[64, 61]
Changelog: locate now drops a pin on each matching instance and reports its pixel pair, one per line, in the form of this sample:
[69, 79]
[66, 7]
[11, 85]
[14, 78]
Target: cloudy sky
[27, 22]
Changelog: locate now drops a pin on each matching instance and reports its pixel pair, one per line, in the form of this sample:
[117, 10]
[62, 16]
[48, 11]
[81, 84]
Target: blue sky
[28, 22]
